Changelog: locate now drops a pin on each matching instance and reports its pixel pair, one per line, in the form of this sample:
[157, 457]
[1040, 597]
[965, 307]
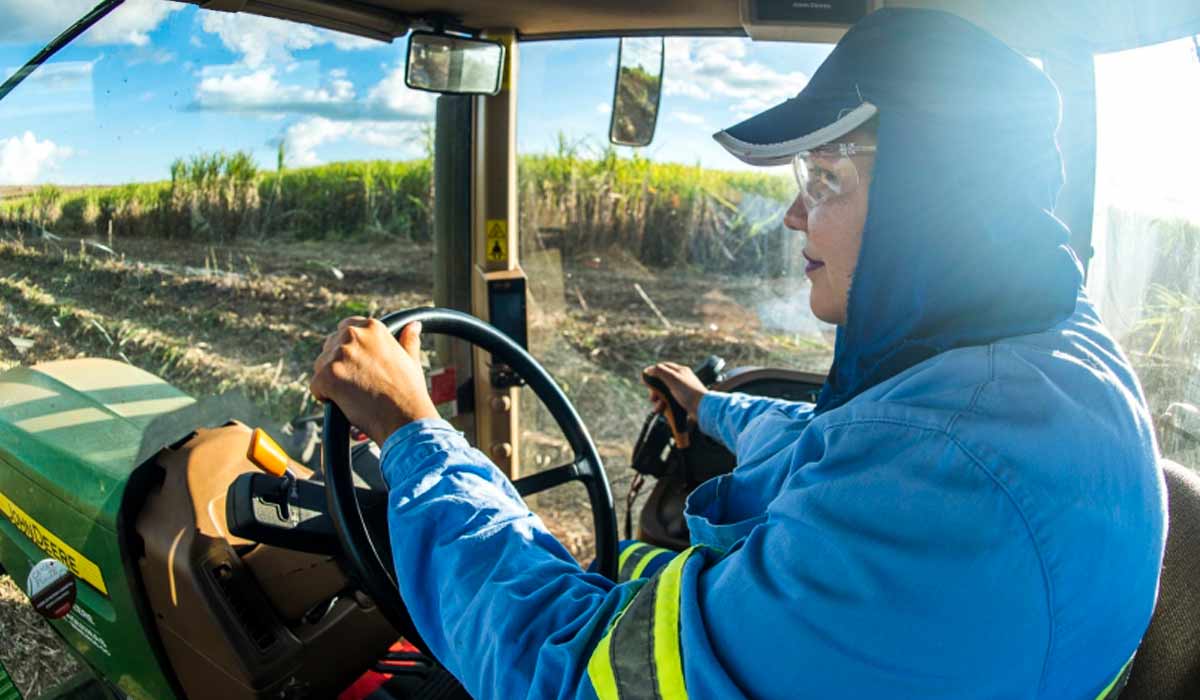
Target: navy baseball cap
[923, 64]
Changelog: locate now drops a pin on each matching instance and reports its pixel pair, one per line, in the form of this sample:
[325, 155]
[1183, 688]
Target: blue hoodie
[971, 510]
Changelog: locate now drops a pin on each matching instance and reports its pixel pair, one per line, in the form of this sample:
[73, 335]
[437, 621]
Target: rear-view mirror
[637, 91]
[453, 64]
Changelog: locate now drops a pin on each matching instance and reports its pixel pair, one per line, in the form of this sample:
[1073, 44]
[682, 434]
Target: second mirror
[637, 91]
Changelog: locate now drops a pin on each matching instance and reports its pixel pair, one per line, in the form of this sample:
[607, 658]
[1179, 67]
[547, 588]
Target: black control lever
[709, 371]
[290, 513]
[649, 448]
[675, 414]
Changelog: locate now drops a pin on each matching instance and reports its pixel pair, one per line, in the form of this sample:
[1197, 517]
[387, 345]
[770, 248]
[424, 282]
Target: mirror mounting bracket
[443, 23]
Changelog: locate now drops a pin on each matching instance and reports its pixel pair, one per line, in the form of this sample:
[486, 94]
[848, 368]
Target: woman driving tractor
[901, 537]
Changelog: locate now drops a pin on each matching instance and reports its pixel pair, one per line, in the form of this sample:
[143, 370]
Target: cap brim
[774, 136]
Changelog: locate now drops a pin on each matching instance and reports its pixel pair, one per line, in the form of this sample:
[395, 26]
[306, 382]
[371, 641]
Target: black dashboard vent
[253, 618]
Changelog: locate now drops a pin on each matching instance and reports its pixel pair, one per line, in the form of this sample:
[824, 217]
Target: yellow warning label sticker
[49, 543]
[497, 240]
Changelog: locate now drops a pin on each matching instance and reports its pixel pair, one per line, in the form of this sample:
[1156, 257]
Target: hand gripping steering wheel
[372, 571]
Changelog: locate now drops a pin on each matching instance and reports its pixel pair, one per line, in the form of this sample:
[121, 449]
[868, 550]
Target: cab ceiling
[387, 19]
[1032, 25]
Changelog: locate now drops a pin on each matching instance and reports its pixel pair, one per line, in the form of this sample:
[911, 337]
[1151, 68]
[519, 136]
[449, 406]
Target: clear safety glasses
[827, 171]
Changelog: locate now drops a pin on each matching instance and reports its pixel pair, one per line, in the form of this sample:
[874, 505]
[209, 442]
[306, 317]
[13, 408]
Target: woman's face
[834, 229]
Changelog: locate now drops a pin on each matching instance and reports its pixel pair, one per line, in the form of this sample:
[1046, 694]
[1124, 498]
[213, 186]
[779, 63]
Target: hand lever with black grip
[676, 415]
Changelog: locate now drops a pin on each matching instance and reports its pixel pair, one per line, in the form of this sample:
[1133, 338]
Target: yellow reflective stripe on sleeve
[641, 565]
[635, 558]
[1116, 679]
[668, 654]
[630, 551]
[639, 657]
[600, 671]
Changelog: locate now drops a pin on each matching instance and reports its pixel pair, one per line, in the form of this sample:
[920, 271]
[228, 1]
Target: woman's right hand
[684, 385]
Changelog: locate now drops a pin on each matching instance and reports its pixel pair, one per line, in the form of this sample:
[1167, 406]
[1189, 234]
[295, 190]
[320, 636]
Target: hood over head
[960, 246]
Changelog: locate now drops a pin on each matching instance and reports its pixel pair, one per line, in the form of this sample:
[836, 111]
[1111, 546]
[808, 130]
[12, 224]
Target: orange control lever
[266, 454]
[676, 415]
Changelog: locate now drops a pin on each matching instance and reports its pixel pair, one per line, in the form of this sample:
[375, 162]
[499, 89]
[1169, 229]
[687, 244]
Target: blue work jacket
[988, 523]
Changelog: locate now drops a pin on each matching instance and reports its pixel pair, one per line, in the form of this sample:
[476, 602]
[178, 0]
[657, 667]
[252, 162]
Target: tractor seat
[1167, 665]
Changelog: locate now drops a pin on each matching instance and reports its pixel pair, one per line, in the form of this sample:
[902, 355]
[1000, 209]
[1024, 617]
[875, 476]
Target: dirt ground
[35, 658]
[251, 317]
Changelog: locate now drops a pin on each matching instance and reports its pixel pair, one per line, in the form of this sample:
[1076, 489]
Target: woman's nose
[796, 217]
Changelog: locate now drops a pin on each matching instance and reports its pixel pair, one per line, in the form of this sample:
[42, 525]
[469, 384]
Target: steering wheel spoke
[579, 470]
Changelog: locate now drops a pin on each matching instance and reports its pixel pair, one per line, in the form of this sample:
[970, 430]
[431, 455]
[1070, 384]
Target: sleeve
[499, 601]
[724, 416]
[887, 567]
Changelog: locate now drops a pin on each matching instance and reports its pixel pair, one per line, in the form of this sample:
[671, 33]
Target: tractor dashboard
[240, 618]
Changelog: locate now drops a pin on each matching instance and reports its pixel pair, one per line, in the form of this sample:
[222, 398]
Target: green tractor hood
[71, 435]
[78, 426]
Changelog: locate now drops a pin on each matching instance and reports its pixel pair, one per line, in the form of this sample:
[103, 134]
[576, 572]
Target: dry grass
[206, 321]
[18, 191]
[34, 656]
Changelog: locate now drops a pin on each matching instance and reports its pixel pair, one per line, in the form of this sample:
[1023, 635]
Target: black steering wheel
[368, 568]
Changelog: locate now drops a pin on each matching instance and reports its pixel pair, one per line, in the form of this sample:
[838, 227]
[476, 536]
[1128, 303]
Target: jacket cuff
[709, 414]
[408, 449]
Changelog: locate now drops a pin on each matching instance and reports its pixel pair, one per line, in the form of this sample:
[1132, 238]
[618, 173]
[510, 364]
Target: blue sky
[158, 80]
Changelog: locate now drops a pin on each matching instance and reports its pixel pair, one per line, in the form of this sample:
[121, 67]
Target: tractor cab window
[675, 251]
[1145, 276]
[205, 194]
[202, 195]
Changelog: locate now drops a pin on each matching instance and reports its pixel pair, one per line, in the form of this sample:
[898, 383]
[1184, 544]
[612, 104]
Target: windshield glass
[672, 252]
[1145, 275]
[25, 27]
[171, 184]
[203, 195]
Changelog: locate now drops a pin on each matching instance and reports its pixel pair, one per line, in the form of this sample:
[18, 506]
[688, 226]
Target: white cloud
[62, 77]
[688, 118]
[742, 115]
[258, 38]
[260, 90]
[643, 52]
[398, 99]
[35, 21]
[604, 107]
[262, 39]
[350, 42]
[130, 23]
[401, 139]
[147, 54]
[389, 115]
[302, 139]
[717, 68]
[23, 159]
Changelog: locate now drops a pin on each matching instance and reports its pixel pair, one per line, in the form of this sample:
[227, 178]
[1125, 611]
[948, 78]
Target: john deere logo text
[49, 543]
